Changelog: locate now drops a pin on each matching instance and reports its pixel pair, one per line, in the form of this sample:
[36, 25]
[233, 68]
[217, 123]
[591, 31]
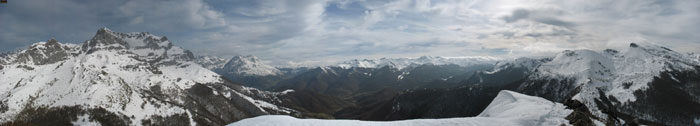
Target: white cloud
[170, 15]
[289, 32]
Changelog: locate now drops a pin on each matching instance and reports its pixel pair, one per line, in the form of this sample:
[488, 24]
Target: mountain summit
[121, 79]
[249, 65]
[618, 87]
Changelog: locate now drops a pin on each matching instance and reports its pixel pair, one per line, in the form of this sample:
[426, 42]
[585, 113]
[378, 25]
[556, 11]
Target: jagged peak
[108, 37]
[104, 29]
[40, 53]
[51, 44]
[52, 41]
[246, 57]
[146, 46]
[249, 65]
[240, 60]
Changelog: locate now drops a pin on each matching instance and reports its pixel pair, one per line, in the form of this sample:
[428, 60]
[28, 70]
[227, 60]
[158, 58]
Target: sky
[306, 32]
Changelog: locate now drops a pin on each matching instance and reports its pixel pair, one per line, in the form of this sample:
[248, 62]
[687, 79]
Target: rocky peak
[107, 39]
[248, 58]
[41, 53]
[249, 65]
[52, 42]
[104, 39]
[146, 47]
[211, 62]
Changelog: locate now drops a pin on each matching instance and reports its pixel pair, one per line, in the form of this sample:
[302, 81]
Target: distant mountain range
[143, 79]
[401, 63]
[609, 87]
[645, 84]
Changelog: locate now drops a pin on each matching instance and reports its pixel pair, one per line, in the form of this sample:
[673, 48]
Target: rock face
[123, 79]
[44, 53]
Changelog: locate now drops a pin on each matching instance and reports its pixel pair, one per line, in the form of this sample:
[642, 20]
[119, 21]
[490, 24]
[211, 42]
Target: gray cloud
[517, 15]
[74, 21]
[541, 16]
[286, 32]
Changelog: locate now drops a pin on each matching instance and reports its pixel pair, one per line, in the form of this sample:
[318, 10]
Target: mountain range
[126, 79]
[143, 79]
[611, 87]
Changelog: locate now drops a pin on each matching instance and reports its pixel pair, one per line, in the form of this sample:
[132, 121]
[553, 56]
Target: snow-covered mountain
[507, 109]
[247, 70]
[142, 79]
[644, 84]
[623, 87]
[696, 56]
[401, 63]
[249, 65]
[211, 62]
[121, 79]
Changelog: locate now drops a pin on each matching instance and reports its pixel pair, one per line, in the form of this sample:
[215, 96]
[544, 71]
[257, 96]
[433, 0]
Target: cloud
[542, 16]
[170, 15]
[292, 32]
[75, 21]
[258, 27]
[517, 15]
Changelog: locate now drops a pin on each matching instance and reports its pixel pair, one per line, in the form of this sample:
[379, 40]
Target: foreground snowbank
[507, 109]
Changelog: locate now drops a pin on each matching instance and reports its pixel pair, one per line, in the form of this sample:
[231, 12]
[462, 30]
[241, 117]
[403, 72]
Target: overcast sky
[291, 32]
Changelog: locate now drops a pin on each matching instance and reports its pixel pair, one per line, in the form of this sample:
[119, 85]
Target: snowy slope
[507, 109]
[401, 63]
[637, 65]
[611, 69]
[695, 56]
[622, 76]
[135, 75]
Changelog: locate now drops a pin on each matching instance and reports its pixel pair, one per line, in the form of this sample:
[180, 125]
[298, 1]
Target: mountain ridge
[611, 83]
[122, 79]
